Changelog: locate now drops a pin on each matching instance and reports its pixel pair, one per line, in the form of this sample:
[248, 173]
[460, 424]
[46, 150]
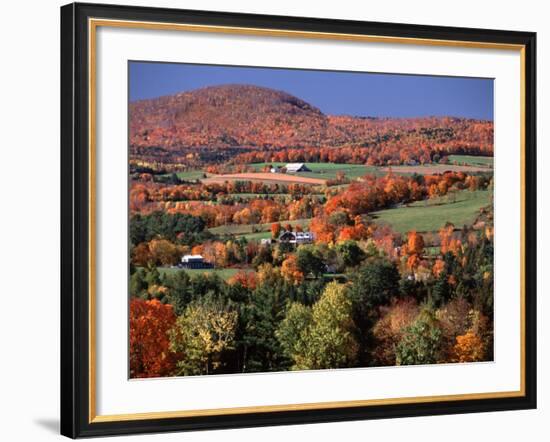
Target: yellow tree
[201, 334]
[163, 251]
[221, 254]
[469, 348]
[322, 336]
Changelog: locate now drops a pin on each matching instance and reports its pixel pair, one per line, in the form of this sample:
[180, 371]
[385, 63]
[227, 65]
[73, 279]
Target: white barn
[194, 262]
[297, 167]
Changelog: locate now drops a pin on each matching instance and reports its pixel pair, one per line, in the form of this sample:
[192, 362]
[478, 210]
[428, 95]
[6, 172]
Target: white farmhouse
[296, 237]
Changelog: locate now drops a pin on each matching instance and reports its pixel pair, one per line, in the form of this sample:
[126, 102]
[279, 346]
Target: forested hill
[260, 119]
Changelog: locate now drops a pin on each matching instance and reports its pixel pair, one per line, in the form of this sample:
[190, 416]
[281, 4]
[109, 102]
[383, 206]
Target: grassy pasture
[222, 273]
[257, 235]
[253, 231]
[427, 169]
[188, 175]
[471, 160]
[431, 215]
[327, 171]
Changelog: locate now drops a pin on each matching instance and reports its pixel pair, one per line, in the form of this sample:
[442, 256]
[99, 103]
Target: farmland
[256, 236]
[320, 173]
[189, 175]
[379, 253]
[254, 231]
[435, 168]
[268, 178]
[471, 160]
[327, 171]
[222, 273]
[430, 215]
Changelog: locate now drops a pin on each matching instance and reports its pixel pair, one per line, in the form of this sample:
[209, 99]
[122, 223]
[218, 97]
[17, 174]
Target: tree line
[383, 314]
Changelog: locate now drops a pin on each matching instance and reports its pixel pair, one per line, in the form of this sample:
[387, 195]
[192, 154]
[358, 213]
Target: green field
[352, 171]
[222, 273]
[431, 215]
[471, 160]
[257, 235]
[189, 175]
[328, 171]
[435, 168]
[250, 230]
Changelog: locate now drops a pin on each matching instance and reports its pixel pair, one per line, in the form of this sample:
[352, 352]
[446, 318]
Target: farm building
[194, 262]
[297, 167]
[267, 241]
[296, 237]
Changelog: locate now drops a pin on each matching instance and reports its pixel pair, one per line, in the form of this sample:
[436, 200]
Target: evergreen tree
[421, 342]
[260, 348]
[373, 285]
[138, 284]
[310, 261]
[351, 253]
[179, 285]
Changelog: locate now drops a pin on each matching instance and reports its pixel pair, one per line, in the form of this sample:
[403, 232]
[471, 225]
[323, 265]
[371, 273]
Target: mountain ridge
[260, 118]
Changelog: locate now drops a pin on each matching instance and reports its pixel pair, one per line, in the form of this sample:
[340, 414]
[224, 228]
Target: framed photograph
[280, 220]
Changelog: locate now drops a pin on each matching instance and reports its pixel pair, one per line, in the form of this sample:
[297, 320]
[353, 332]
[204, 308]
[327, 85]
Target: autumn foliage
[469, 348]
[150, 322]
[244, 279]
[246, 124]
[350, 291]
[290, 270]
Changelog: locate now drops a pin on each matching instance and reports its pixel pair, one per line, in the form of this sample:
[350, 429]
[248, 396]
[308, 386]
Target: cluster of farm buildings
[288, 237]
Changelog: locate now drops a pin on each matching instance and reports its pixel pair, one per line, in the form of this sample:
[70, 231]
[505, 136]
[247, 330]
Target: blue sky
[335, 93]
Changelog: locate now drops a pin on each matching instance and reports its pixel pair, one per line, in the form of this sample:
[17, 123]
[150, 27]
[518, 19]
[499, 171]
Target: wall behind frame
[29, 100]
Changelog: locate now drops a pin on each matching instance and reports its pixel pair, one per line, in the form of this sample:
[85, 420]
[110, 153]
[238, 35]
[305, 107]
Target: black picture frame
[75, 220]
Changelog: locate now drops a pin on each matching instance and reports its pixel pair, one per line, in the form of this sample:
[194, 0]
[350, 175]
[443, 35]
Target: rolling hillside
[219, 123]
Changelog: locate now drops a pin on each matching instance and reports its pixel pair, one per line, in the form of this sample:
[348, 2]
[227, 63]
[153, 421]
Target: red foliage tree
[245, 279]
[276, 230]
[150, 355]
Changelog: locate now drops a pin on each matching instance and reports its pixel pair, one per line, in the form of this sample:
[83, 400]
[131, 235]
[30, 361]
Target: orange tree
[150, 355]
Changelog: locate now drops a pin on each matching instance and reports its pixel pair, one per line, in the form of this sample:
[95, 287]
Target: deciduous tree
[322, 336]
[468, 348]
[150, 353]
[276, 230]
[290, 270]
[204, 331]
